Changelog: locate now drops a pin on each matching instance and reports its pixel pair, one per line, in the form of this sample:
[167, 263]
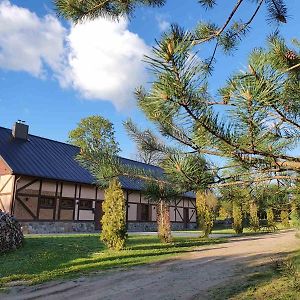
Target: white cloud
[106, 61]
[27, 42]
[162, 23]
[102, 60]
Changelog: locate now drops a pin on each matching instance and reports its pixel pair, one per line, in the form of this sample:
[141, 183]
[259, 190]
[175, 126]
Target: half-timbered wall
[39, 199]
[45, 200]
[6, 192]
[177, 207]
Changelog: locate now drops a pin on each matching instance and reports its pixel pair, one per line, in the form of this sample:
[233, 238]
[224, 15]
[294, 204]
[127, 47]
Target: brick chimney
[20, 130]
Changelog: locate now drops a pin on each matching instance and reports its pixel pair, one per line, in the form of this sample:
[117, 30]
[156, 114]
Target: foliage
[295, 213]
[181, 106]
[237, 215]
[254, 220]
[295, 218]
[205, 203]
[225, 210]
[113, 232]
[74, 255]
[77, 10]
[284, 218]
[270, 219]
[95, 136]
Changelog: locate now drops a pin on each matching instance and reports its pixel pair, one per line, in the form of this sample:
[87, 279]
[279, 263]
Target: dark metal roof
[45, 158]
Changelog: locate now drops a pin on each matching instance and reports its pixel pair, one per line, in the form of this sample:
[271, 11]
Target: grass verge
[279, 280]
[49, 257]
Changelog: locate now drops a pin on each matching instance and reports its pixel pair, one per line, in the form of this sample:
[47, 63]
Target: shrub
[237, 215]
[254, 220]
[11, 236]
[295, 217]
[284, 217]
[270, 219]
[114, 218]
[204, 213]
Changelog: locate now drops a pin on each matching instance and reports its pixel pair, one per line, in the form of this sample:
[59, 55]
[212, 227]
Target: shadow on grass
[48, 257]
[267, 279]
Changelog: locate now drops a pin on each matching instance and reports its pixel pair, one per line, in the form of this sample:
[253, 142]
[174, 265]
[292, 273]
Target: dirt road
[189, 276]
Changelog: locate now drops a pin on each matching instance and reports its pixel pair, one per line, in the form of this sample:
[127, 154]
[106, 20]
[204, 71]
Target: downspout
[12, 208]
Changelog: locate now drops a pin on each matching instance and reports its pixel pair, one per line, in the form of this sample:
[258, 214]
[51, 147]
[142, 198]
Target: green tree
[225, 210]
[95, 136]
[284, 218]
[270, 220]
[205, 204]
[114, 219]
[179, 103]
[237, 215]
[254, 220]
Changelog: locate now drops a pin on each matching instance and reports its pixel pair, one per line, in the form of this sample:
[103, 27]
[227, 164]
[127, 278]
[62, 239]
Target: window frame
[85, 207]
[47, 206]
[68, 207]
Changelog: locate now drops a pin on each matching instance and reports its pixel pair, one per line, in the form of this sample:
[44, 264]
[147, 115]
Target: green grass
[267, 283]
[229, 230]
[49, 257]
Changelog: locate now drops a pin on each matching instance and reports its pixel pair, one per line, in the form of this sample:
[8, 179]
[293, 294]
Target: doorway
[186, 218]
[98, 215]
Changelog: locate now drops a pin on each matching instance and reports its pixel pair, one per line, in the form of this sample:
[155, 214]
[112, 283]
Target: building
[45, 188]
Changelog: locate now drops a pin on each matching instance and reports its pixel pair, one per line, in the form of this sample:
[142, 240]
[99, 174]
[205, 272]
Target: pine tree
[114, 220]
[163, 222]
[161, 194]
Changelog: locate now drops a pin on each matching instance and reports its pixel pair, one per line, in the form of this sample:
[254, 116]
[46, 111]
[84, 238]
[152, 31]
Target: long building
[48, 191]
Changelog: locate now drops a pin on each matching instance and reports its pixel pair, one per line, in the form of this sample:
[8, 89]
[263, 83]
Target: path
[189, 276]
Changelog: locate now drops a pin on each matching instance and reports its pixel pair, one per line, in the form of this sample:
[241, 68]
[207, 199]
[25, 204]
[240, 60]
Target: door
[186, 218]
[98, 215]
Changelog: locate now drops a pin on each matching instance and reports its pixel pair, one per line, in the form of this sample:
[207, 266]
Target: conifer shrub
[237, 215]
[271, 220]
[114, 217]
[204, 213]
[254, 220]
[284, 217]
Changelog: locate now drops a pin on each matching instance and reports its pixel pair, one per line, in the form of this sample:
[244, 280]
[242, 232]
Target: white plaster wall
[86, 215]
[132, 212]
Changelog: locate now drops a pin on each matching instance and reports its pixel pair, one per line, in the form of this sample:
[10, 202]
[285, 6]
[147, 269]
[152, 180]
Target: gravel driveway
[189, 276]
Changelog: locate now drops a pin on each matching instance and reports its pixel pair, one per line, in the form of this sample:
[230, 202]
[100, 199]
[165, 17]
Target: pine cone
[291, 55]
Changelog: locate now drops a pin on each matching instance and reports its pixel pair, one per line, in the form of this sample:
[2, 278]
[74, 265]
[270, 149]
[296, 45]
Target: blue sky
[49, 78]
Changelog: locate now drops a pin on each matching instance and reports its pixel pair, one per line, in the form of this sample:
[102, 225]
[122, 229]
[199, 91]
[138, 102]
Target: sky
[53, 73]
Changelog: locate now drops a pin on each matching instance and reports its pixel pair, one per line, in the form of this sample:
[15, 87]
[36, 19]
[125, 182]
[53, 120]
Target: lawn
[49, 257]
[230, 230]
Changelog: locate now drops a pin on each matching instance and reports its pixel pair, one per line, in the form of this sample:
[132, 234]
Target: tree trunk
[163, 222]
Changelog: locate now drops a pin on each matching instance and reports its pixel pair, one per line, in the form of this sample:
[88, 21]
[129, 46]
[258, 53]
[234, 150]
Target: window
[85, 204]
[67, 203]
[46, 202]
[143, 212]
